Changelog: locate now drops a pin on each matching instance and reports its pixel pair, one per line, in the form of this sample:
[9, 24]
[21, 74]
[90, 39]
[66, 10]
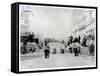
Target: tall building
[86, 23]
[24, 19]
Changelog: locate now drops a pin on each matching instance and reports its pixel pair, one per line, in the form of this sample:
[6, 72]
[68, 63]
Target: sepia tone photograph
[53, 37]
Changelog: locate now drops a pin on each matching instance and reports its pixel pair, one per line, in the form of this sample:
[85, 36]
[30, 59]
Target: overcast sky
[53, 22]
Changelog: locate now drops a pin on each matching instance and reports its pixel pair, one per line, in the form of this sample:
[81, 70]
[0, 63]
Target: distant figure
[70, 48]
[91, 47]
[70, 43]
[76, 49]
[54, 51]
[46, 52]
[75, 52]
[84, 41]
[79, 38]
[71, 39]
[62, 51]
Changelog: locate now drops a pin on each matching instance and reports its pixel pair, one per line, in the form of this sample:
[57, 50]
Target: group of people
[47, 51]
[79, 42]
[75, 44]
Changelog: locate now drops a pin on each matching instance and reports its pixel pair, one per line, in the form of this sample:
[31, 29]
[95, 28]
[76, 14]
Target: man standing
[84, 41]
[76, 49]
[46, 52]
[91, 47]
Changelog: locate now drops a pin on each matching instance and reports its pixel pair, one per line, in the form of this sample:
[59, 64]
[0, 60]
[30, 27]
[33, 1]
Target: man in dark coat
[91, 47]
[46, 52]
[76, 49]
[84, 41]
